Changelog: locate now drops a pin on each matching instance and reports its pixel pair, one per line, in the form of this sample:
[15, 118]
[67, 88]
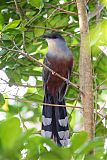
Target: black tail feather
[55, 121]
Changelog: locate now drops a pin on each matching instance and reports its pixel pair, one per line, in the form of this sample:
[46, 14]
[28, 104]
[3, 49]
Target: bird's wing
[63, 90]
[46, 73]
[64, 86]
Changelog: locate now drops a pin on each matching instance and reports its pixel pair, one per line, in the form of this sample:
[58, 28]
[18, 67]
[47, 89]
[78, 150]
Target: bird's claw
[67, 82]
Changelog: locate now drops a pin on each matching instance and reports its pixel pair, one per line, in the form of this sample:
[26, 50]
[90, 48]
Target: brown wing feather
[46, 73]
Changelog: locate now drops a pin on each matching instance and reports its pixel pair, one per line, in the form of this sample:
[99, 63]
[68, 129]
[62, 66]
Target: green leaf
[39, 31]
[100, 129]
[9, 132]
[2, 52]
[59, 20]
[95, 35]
[91, 158]
[96, 143]
[49, 155]
[2, 100]
[78, 139]
[13, 75]
[1, 21]
[31, 48]
[55, 20]
[12, 24]
[34, 97]
[36, 3]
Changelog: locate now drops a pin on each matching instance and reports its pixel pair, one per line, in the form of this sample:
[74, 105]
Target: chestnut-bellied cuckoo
[54, 118]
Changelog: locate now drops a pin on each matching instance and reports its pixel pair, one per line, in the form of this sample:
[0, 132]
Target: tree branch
[55, 30]
[103, 117]
[85, 70]
[72, 99]
[61, 9]
[47, 104]
[96, 11]
[98, 87]
[21, 85]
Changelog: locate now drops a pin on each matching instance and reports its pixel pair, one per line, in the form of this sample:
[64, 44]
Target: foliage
[22, 23]
[18, 144]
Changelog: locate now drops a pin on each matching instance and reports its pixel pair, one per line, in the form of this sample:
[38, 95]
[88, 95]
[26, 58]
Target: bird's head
[53, 36]
[54, 39]
[57, 44]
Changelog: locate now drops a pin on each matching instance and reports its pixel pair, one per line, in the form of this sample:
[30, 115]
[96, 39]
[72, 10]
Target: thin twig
[103, 88]
[72, 99]
[17, 9]
[96, 11]
[100, 85]
[51, 14]
[102, 107]
[66, 3]
[22, 120]
[47, 104]
[21, 17]
[101, 115]
[32, 19]
[21, 85]
[55, 30]
[75, 73]
[105, 116]
[64, 11]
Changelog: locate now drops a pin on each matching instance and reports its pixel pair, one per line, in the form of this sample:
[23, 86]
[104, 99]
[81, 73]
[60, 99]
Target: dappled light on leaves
[98, 33]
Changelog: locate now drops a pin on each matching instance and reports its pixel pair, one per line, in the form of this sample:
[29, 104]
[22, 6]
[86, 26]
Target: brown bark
[85, 70]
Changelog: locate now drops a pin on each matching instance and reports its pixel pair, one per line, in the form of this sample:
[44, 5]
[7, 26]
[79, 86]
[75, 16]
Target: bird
[59, 58]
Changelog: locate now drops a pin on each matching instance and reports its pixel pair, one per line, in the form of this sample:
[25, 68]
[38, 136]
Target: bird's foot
[67, 82]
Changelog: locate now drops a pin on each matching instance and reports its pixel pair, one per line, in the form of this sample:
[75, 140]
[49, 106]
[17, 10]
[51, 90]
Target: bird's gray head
[54, 36]
[55, 41]
[56, 45]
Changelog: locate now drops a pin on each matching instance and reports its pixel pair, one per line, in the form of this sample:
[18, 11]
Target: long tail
[55, 121]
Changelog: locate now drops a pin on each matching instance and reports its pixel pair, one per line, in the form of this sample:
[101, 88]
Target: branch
[103, 88]
[72, 99]
[103, 117]
[64, 11]
[98, 87]
[21, 85]
[18, 9]
[66, 3]
[55, 30]
[32, 19]
[96, 11]
[85, 70]
[102, 108]
[35, 61]
[47, 104]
